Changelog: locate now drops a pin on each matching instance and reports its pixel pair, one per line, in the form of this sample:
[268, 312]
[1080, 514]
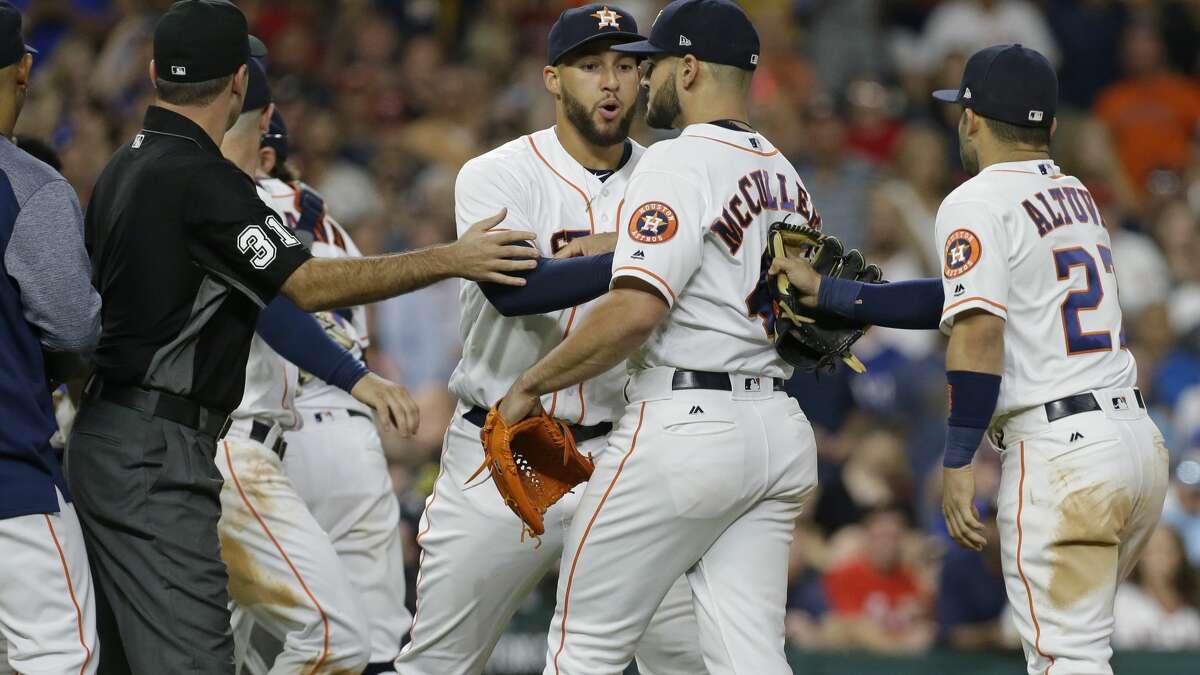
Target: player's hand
[392, 403]
[593, 244]
[958, 506]
[484, 254]
[806, 283]
[517, 405]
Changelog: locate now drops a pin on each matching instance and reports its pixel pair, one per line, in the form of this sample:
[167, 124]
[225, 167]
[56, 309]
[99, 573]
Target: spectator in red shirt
[875, 599]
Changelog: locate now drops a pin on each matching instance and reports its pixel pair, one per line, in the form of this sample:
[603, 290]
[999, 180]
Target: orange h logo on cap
[607, 17]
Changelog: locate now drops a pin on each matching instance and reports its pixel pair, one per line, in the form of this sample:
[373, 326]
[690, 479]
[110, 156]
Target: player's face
[967, 153]
[600, 94]
[663, 107]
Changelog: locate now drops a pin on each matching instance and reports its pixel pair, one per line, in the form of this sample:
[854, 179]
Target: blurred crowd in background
[385, 100]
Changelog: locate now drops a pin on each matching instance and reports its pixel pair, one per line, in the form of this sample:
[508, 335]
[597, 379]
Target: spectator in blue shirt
[971, 595]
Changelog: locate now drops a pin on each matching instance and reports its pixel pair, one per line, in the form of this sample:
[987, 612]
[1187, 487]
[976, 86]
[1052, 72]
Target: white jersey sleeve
[482, 190]
[976, 260]
[662, 241]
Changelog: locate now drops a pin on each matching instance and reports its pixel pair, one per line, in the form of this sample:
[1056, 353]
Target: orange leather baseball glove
[533, 463]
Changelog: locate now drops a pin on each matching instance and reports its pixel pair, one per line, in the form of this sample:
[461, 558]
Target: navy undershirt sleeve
[299, 338]
[915, 304]
[553, 285]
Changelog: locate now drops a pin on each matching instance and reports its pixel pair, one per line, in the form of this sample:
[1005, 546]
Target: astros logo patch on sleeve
[962, 252]
[653, 223]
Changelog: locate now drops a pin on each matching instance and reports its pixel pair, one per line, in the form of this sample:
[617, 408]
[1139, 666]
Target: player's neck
[1001, 156]
[716, 110]
[244, 155]
[213, 119]
[587, 154]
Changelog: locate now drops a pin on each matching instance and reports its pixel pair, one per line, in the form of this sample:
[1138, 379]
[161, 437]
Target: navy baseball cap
[12, 45]
[199, 40]
[258, 90]
[1009, 83]
[581, 25]
[717, 31]
[276, 136]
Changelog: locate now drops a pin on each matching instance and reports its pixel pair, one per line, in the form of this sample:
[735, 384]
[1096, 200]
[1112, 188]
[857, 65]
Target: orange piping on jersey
[976, 297]
[562, 642]
[70, 589]
[735, 145]
[412, 629]
[1031, 173]
[587, 202]
[646, 271]
[1037, 628]
[295, 572]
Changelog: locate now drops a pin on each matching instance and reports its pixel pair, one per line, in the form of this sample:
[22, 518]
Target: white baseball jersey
[1026, 243]
[707, 198]
[271, 380]
[348, 328]
[548, 192]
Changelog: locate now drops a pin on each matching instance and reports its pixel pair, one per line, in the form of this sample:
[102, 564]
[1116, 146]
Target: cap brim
[639, 47]
[257, 49]
[946, 95]
[30, 50]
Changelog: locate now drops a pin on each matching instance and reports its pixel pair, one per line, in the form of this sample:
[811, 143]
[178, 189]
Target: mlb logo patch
[137, 141]
[753, 384]
[1120, 403]
[1036, 115]
[178, 70]
[754, 59]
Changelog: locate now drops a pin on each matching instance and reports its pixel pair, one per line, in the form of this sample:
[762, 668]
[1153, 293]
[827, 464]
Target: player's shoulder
[981, 190]
[276, 188]
[668, 155]
[511, 160]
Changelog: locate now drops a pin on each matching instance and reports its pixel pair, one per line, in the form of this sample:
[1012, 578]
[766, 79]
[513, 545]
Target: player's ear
[264, 119]
[23, 68]
[550, 78]
[153, 72]
[266, 159]
[240, 79]
[1053, 126]
[689, 69]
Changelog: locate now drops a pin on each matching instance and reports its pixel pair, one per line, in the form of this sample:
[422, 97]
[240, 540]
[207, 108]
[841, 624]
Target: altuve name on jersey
[1080, 203]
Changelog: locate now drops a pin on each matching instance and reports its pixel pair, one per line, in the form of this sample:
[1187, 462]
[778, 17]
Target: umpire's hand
[493, 255]
[392, 403]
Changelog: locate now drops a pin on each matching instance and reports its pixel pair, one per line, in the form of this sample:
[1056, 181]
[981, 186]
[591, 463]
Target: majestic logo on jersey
[962, 252]
[607, 17]
[653, 223]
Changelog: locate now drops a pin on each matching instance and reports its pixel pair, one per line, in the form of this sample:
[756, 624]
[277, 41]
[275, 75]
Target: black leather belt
[699, 379]
[160, 404]
[259, 431]
[478, 416]
[1086, 402]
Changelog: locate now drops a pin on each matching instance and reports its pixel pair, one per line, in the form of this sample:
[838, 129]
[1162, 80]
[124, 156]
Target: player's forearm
[554, 285]
[974, 363]
[618, 326]
[329, 283]
[915, 305]
[299, 338]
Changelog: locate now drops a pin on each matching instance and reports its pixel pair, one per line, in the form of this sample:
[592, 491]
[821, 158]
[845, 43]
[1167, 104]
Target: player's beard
[581, 118]
[966, 154]
[663, 109]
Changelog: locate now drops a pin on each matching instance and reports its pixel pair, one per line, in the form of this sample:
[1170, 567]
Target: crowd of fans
[386, 100]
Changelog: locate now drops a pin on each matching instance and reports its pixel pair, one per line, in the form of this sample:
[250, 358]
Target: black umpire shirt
[184, 254]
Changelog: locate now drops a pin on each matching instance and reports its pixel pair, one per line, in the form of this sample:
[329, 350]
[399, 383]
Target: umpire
[184, 255]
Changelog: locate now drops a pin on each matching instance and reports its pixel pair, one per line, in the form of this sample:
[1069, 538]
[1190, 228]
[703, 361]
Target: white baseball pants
[699, 482]
[337, 466]
[283, 572]
[47, 609]
[1079, 497]
[477, 569]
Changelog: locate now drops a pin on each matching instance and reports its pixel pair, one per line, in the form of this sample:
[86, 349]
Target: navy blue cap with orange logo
[582, 25]
[717, 31]
[1009, 83]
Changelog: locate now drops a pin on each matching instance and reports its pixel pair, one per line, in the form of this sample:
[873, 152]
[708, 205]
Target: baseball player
[283, 570]
[711, 461]
[47, 307]
[1037, 361]
[335, 459]
[565, 183]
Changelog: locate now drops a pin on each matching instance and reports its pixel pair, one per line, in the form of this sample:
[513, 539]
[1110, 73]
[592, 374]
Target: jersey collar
[1044, 167]
[162, 121]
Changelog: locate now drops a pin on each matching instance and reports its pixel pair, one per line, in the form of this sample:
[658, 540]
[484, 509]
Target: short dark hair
[191, 93]
[1038, 137]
